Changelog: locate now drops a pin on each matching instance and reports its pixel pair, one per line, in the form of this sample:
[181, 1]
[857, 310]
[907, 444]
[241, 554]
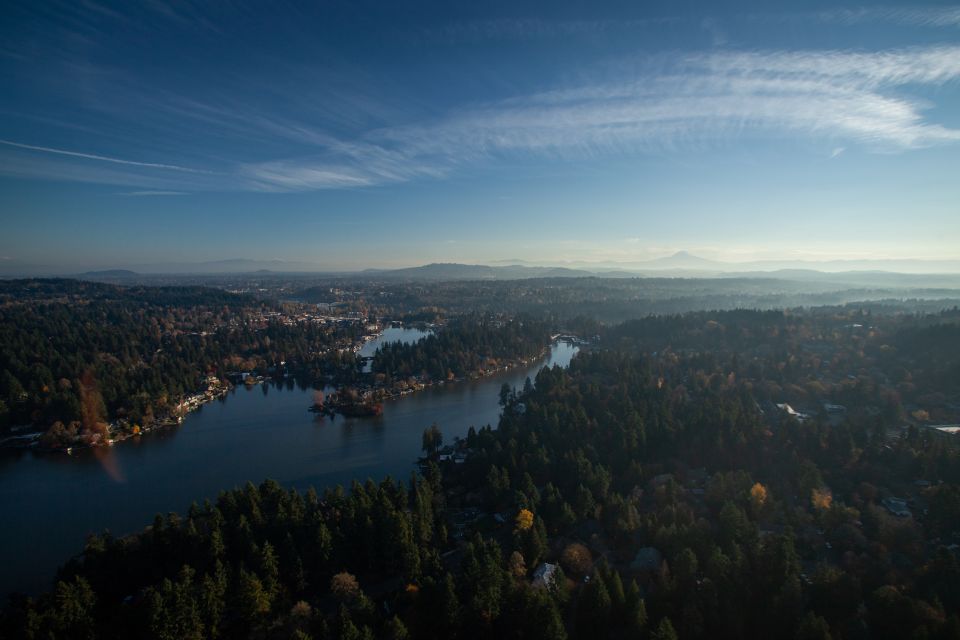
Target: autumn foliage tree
[758, 499]
[576, 559]
[344, 586]
[524, 520]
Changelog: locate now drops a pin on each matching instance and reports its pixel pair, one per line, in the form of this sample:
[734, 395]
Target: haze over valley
[328, 320]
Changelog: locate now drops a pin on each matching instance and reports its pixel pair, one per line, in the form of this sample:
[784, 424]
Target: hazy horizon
[565, 320]
[363, 136]
[678, 264]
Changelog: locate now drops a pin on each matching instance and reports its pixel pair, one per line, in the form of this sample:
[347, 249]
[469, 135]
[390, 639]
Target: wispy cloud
[699, 99]
[99, 158]
[535, 29]
[342, 165]
[914, 16]
[675, 102]
[185, 13]
[924, 65]
[718, 36]
[135, 194]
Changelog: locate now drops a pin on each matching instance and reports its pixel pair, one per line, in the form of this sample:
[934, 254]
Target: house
[543, 575]
[897, 506]
[790, 411]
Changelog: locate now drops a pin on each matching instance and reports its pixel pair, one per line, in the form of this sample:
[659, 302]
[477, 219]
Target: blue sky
[355, 134]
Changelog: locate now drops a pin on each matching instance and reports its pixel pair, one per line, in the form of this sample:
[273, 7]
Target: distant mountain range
[855, 279]
[235, 265]
[455, 271]
[109, 273]
[683, 261]
[931, 273]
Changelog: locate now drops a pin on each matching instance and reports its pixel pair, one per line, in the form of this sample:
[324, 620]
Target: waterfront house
[543, 575]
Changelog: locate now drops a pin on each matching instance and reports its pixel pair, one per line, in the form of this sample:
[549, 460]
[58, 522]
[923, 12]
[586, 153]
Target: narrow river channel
[51, 501]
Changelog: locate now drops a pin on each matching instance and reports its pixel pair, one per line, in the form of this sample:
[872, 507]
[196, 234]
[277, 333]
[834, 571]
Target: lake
[51, 501]
[406, 335]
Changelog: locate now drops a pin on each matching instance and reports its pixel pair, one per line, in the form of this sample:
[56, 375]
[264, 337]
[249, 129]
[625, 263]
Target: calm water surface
[50, 502]
[406, 335]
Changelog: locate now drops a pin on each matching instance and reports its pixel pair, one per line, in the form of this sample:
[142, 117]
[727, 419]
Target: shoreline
[391, 444]
[189, 405]
[382, 395]
[32, 440]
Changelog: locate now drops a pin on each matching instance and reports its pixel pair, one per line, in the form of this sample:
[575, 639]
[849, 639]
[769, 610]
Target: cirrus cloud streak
[665, 103]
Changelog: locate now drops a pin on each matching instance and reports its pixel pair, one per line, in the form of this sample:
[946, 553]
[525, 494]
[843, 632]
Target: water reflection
[405, 335]
[108, 461]
[51, 501]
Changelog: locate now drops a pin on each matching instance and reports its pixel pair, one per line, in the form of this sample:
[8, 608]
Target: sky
[379, 134]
